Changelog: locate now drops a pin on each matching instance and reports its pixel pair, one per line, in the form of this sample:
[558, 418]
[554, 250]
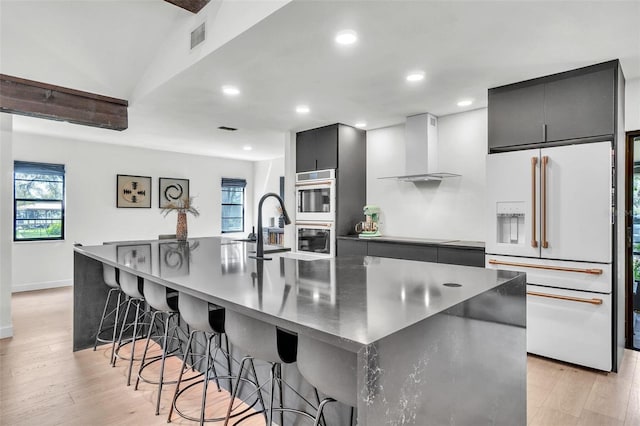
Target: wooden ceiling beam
[42, 100]
[193, 6]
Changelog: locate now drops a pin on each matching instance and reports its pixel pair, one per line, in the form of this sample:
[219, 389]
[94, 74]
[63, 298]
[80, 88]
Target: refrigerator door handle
[534, 241]
[591, 271]
[593, 301]
[543, 201]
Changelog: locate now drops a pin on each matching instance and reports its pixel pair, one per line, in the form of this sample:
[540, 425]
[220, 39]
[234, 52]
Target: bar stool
[266, 342]
[208, 320]
[165, 305]
[131, 285]
[110, 275]
[331, 370]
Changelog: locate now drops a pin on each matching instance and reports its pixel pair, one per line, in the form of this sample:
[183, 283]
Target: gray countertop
[420, 241]
[349, 302]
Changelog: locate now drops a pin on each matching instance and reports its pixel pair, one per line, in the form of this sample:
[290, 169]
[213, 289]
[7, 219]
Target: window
[233, 204]
[38, 201]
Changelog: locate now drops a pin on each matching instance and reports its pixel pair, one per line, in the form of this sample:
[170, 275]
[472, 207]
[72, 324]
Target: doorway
[633, 240]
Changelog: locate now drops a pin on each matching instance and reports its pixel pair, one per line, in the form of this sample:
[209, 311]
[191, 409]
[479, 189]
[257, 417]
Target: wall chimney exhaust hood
[421, 150]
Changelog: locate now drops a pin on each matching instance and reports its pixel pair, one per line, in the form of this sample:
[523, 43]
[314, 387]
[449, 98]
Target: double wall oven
[316, 212]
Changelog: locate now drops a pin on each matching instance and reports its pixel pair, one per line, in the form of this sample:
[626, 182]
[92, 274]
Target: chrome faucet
[260, 243]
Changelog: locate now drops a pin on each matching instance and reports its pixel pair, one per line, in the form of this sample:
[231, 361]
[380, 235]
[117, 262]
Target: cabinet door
[578, 202]
[351, 248]
[460, 256]
[326, 147]
[403, 251]
[305, 151]
[516, 116]
[580, 106]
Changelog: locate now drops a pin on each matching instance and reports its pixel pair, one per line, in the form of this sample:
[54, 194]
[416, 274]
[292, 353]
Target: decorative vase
[181, 227]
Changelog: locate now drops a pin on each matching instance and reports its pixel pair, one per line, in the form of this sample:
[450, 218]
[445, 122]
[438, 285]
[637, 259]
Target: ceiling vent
[198, 35]
[228, 129]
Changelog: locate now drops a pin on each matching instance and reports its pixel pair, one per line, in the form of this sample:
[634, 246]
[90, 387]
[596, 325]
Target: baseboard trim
[17, 288]
[6, 331]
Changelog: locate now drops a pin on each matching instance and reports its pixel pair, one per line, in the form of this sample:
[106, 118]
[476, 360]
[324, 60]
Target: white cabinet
[552, 203]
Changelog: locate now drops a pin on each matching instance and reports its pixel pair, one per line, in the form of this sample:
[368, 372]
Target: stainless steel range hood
[421, 150]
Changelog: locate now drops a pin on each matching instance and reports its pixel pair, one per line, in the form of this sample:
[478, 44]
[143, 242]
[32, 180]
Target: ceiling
[289, 58]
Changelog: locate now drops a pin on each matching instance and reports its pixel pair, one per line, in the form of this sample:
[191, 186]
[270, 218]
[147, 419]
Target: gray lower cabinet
[351, 248]
[425, 253]
[461, 256]
[403, 251]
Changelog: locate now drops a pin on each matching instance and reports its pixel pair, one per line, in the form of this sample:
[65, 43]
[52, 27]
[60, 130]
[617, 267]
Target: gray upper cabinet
[516, 116]
[580, 106]
[326, 147]
[572, 105]
[317, 149]
[305, 151]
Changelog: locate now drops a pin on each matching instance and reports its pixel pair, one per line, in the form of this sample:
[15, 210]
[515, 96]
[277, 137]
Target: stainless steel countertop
[349, 302]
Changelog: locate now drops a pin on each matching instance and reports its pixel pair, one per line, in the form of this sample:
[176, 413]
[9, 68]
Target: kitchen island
[436, 344]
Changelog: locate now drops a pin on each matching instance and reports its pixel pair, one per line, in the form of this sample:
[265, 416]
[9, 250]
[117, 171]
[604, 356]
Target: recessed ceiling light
[230, 90]
[415, 76]
[465, 102]
[346, 37]
[302, 109]
[361, 124]
[247, 148]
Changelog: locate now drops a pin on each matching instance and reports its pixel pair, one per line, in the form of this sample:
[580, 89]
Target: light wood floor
[42, 382]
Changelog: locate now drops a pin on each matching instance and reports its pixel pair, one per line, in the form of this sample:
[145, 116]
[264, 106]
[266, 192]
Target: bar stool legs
[166, 351]
[275, 377]
[134, 337]
[209, 366]
[115, 312]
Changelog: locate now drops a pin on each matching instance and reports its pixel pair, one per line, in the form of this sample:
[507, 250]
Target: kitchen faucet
[260, 243]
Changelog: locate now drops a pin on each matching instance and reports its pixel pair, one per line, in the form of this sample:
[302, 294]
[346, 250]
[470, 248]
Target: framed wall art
[133, 191]
[172, 190]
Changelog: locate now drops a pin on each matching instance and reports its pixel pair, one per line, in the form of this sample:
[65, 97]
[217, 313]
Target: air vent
[198, 35]
[228, 129]
[432, 121]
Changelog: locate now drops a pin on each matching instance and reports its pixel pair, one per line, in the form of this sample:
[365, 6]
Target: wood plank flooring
[42, 382]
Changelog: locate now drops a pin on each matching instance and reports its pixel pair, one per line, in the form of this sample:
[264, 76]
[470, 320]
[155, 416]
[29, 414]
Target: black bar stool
[209, 321]
[266, 342]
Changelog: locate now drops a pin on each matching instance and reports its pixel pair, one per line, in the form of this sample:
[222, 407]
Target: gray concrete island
[437, 344]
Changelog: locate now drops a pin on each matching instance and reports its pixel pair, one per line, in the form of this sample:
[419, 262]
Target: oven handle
[326, 182]
[324, 225]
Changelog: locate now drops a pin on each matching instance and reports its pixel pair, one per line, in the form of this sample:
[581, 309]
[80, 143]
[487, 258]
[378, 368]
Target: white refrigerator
[550, 215]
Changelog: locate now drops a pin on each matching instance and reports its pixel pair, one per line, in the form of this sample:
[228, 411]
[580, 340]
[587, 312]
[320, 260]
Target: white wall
[632, 105]
[452, 209]
[91, 213]
[6, 218]
[266, 178]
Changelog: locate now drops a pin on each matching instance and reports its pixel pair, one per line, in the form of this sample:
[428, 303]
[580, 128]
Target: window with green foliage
[233, 205]
[38, 197]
